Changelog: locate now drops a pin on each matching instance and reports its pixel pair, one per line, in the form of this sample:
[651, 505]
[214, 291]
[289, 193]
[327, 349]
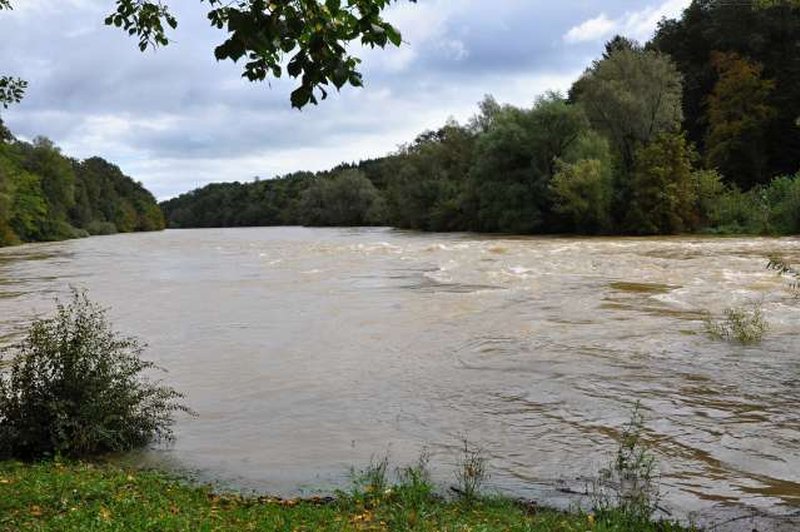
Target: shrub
[627, 489]
[740, 325]
[471, 472]
[582, 193]
[76, 388]
[783, 196]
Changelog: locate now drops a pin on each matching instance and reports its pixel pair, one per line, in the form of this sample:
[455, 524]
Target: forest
[45, 195]
[697, 130]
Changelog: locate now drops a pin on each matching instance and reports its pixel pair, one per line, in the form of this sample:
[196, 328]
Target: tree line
[45, 195]
[697, 130]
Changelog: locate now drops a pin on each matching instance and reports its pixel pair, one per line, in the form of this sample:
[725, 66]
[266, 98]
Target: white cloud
[177, 119]
[593, 29]
[642, 24]
[639, 25]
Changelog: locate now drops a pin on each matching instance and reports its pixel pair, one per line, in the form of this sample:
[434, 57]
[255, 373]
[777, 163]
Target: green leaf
[300, 97]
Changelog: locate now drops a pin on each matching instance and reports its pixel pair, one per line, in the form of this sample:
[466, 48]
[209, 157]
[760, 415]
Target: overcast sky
[176, 119]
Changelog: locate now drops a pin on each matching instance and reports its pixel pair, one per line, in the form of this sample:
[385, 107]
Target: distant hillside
[45, 195]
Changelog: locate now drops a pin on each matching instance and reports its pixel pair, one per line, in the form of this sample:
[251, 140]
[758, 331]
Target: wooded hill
[45, 195]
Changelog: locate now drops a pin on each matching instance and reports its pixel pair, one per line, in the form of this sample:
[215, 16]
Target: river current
[308, 351]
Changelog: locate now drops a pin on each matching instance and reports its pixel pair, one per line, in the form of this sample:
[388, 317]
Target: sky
[176, 119]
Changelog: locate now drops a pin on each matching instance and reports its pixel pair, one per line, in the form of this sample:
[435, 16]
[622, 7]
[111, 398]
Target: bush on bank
[76, 388]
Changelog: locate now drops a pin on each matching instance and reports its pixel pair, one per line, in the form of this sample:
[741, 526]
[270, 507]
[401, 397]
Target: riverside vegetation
[76, 389]
[695, 131]
[45, 195]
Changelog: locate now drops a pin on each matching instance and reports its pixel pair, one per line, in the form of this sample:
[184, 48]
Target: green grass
[85, 497]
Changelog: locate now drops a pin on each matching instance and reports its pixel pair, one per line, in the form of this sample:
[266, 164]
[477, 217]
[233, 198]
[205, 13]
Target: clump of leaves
[77, 388]
[627, 488]
[742, 325]
[471, 472]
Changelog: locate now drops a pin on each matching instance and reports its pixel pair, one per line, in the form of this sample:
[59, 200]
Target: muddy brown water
[308, 351]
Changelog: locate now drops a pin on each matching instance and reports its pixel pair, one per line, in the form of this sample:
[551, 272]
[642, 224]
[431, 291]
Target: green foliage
[582, 193]
[663, 192]
[261, 203]
[347, 198]
[426, 189]
[745, 326]
[77, 388]
[626, 491]
[515, 159]
[308, 38]
[12, 90]
[708, 191]
[783, 199]
[765, 209]
[47, 196]
[631, 96]
[28, 213]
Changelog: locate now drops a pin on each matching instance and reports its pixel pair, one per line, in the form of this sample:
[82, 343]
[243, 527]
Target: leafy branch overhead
[11, 89]
[306, 39]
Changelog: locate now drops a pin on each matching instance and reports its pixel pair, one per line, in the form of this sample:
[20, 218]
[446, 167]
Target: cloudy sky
[176, 119]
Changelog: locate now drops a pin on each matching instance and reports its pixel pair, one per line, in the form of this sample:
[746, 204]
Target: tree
[556, 126]
[582, 194]
[346, 199]
[426, 192]
[769, 36]
[663, 188]
[631, 96]
[515, 160]
[738, 116]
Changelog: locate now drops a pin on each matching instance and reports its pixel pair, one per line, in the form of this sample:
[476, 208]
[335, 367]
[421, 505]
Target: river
[308, 351]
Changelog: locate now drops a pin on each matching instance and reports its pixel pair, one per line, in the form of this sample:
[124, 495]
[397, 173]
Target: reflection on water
[307, 351]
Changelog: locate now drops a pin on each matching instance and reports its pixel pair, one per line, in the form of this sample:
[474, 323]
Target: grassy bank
[82, 496]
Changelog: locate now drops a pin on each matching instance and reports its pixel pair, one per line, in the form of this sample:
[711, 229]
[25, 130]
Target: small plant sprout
[471, 471]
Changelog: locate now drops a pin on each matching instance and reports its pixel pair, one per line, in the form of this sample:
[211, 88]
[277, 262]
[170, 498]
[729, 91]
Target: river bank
[82, 496]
